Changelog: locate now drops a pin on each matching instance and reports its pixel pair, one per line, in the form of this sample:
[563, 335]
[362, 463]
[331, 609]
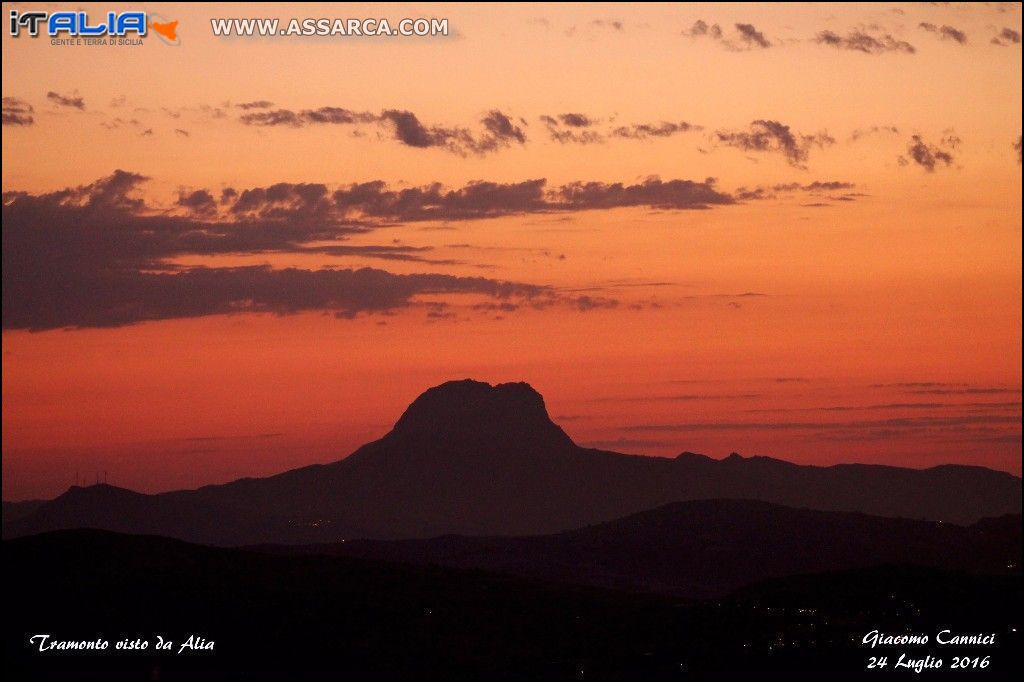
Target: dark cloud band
[498, 130]
[97, 255]
[17, 112]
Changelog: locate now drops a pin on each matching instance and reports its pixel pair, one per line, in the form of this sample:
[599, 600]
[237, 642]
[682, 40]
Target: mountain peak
[469, 408]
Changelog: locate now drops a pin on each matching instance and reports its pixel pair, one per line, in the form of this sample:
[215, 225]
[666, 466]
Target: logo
[78, 28]
[166, 30]
[77, 24]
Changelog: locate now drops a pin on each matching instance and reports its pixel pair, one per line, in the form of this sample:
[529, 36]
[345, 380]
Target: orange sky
[886, 325]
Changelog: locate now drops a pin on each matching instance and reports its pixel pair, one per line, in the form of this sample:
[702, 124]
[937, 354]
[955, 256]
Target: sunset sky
[785, 230]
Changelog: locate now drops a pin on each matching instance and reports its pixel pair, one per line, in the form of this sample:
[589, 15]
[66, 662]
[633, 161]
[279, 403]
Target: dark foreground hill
[709, 548]
[320, 617]
[475, 459]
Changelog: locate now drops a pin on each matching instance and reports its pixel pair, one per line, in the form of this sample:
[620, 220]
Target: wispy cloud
[17, 112]
[861, 40]
[929, 156]
[744, 36]
[775, 137]
[98, 255]
[255, 104]
[71, 101]
[945, 32]
[1007, 36]
[576, 128]
[498, 130]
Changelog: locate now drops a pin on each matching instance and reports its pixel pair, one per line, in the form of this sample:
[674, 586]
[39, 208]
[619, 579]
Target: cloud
[1006, 37]
[946, 388]
[297, 119]
[614, 25]
[212, 112]
[619, 444]
[284, 201]
[746, 36]
[893, 406]
[653, 193]
[501, 132]
[336, 116]
[199, 202]
[751, 36]
[679, 397]
[929, 156]
[75, 102]
[285, 214]
[945, 32]
[859, 40]
[828, 185]
[895, 423]
[374, 200]
[572, 128]
[585, 303]
[873, 130]
[122, 297]
[970, 390]
[576, 120]
[256, 104]
[642, 131]
[98, 255]
[575, 128]
[817, 188]
[409, 131]
[118, 122]
[278, 117]
[498, 130]
[17, 112]
[108, 221]
[701, 28]
[915, 384]
[775, 137]
[390, 252]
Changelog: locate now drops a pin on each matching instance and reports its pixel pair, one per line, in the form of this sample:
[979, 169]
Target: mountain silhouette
[709, 548]
[472, 412]
[474, 459]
